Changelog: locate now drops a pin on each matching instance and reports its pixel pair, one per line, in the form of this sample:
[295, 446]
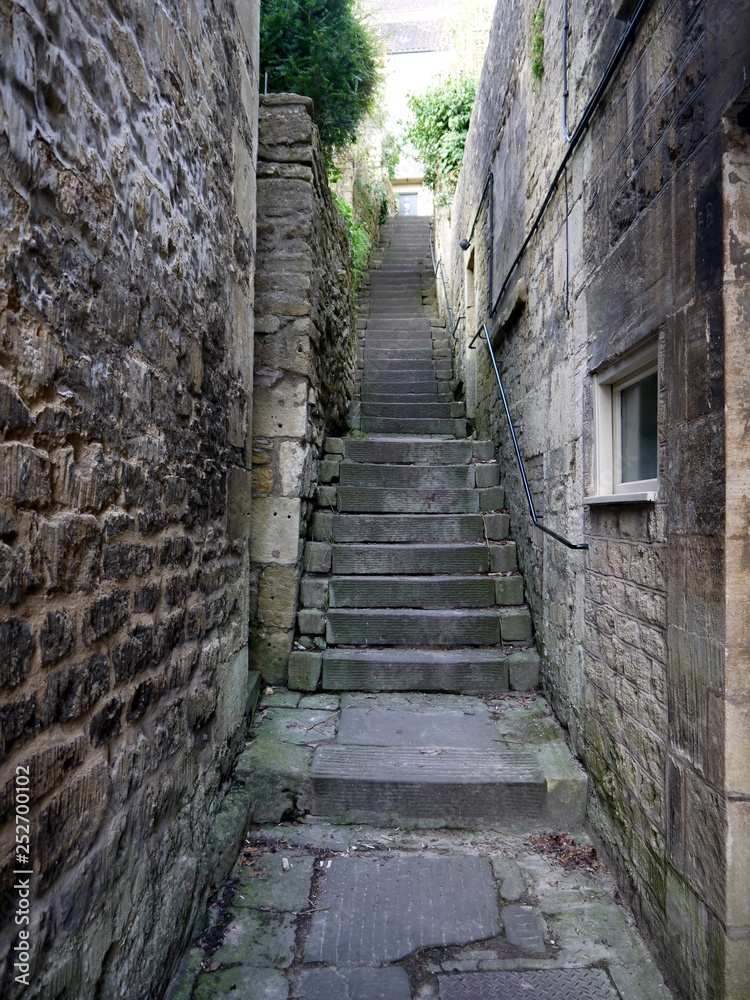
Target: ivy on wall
[322, 50]
[438, 132]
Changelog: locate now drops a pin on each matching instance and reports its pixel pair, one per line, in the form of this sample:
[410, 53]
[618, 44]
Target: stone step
[410, 558]
[367, 397]
[406, 476]
[398, 326]
[381, 341]
[363, 500]
[401, 407]
[453, 591]
[406, 387]
[432, 787]
[398, 350]
[408, 451]
[389, 627]
[397, 425]
[415, 365]
[468, 671]
[393, 528]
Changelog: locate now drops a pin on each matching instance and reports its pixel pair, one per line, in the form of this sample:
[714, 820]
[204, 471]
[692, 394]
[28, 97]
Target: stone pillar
[304, 360]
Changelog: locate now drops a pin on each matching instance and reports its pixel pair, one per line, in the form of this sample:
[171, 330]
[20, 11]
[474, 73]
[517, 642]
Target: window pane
[638, 406]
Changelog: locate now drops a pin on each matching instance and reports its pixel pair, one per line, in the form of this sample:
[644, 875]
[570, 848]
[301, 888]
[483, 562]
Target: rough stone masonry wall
[304, 362]
[127, 192]
[633, 631]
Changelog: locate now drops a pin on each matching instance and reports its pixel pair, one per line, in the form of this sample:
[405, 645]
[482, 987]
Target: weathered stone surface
[265, 940]
[277, 596]
[125, 401]
[304, 670]
[275, 530]
[453, 894]
[16, 650]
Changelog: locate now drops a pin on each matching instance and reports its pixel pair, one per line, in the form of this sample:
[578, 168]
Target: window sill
[648, 497]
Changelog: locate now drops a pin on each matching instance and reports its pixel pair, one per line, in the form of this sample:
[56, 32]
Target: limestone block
[327, 497]
[483, 451]
[491, 498]
[321, 526]
[275, 527]
[248, 14]
[487, 475]
[239, 503]
[293, 461]
[509, 590]
[312, 591]
[503, 557]
[311, 621]
[329, 470]
[280, 410]
[333, 446]
[523, 670]
[287, 352]
[269, 654]
[244, 183]
[317, 557]
[24, 475]
[263, 480]
[277, 596]
[496, 526]
[304, 670]
[515, 625]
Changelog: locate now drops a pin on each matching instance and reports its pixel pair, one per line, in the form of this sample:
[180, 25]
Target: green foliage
[360, 242]
[320, 49]
[537, 45]
[438, 132]
[391, 154]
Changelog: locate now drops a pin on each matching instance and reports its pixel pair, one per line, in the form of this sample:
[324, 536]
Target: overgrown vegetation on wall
[322, 50]
[438, 132]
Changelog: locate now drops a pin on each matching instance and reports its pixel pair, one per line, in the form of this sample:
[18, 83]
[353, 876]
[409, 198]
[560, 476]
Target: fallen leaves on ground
[563, 849]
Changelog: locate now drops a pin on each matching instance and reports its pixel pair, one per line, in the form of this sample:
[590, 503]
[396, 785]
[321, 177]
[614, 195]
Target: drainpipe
[565, 71]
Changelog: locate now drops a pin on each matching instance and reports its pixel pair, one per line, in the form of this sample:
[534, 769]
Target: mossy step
[454, 591]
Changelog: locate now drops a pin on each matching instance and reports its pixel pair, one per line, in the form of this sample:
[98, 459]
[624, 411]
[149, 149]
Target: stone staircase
[411, 585]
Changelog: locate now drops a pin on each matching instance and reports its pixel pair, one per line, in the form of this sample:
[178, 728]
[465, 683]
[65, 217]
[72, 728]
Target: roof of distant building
[391, 6]
[424, 36]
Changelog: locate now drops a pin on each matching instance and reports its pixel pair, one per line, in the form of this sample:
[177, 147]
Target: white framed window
[626, 429]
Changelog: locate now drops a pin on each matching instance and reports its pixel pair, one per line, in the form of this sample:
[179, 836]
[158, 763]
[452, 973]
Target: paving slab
[509, 878]
[354, 984]
[372, 911]
[263, 940]
[295, 725]
[542, 984]
[524, 928]
[242, 983]
[268, 882]
[418, 728]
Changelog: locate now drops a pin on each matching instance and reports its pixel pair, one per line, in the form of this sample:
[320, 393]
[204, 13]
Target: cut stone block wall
[304, 361]
[643, 636]
[127, 200]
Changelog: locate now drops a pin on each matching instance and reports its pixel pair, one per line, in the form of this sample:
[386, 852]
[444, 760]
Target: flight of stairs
[411, 585]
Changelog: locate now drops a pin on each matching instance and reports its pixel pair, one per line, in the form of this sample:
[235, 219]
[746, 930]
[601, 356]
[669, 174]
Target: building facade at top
[612, 268]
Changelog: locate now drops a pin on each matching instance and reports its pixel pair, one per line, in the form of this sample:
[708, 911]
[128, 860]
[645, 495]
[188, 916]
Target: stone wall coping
[276, 100]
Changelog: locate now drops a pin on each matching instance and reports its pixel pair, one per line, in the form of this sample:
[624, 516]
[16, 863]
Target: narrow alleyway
[405, 806]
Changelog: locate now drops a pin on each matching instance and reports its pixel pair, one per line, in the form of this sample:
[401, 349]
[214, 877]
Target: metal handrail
[532, 509]
[435, 268]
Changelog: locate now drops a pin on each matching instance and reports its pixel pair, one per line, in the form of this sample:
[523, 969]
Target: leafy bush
[537, 45]
[438, 132]
[318, 48]
[360, 242]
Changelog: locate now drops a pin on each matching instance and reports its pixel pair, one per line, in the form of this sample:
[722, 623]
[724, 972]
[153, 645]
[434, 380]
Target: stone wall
[127, 198]
[304, 364]
[644, 636]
